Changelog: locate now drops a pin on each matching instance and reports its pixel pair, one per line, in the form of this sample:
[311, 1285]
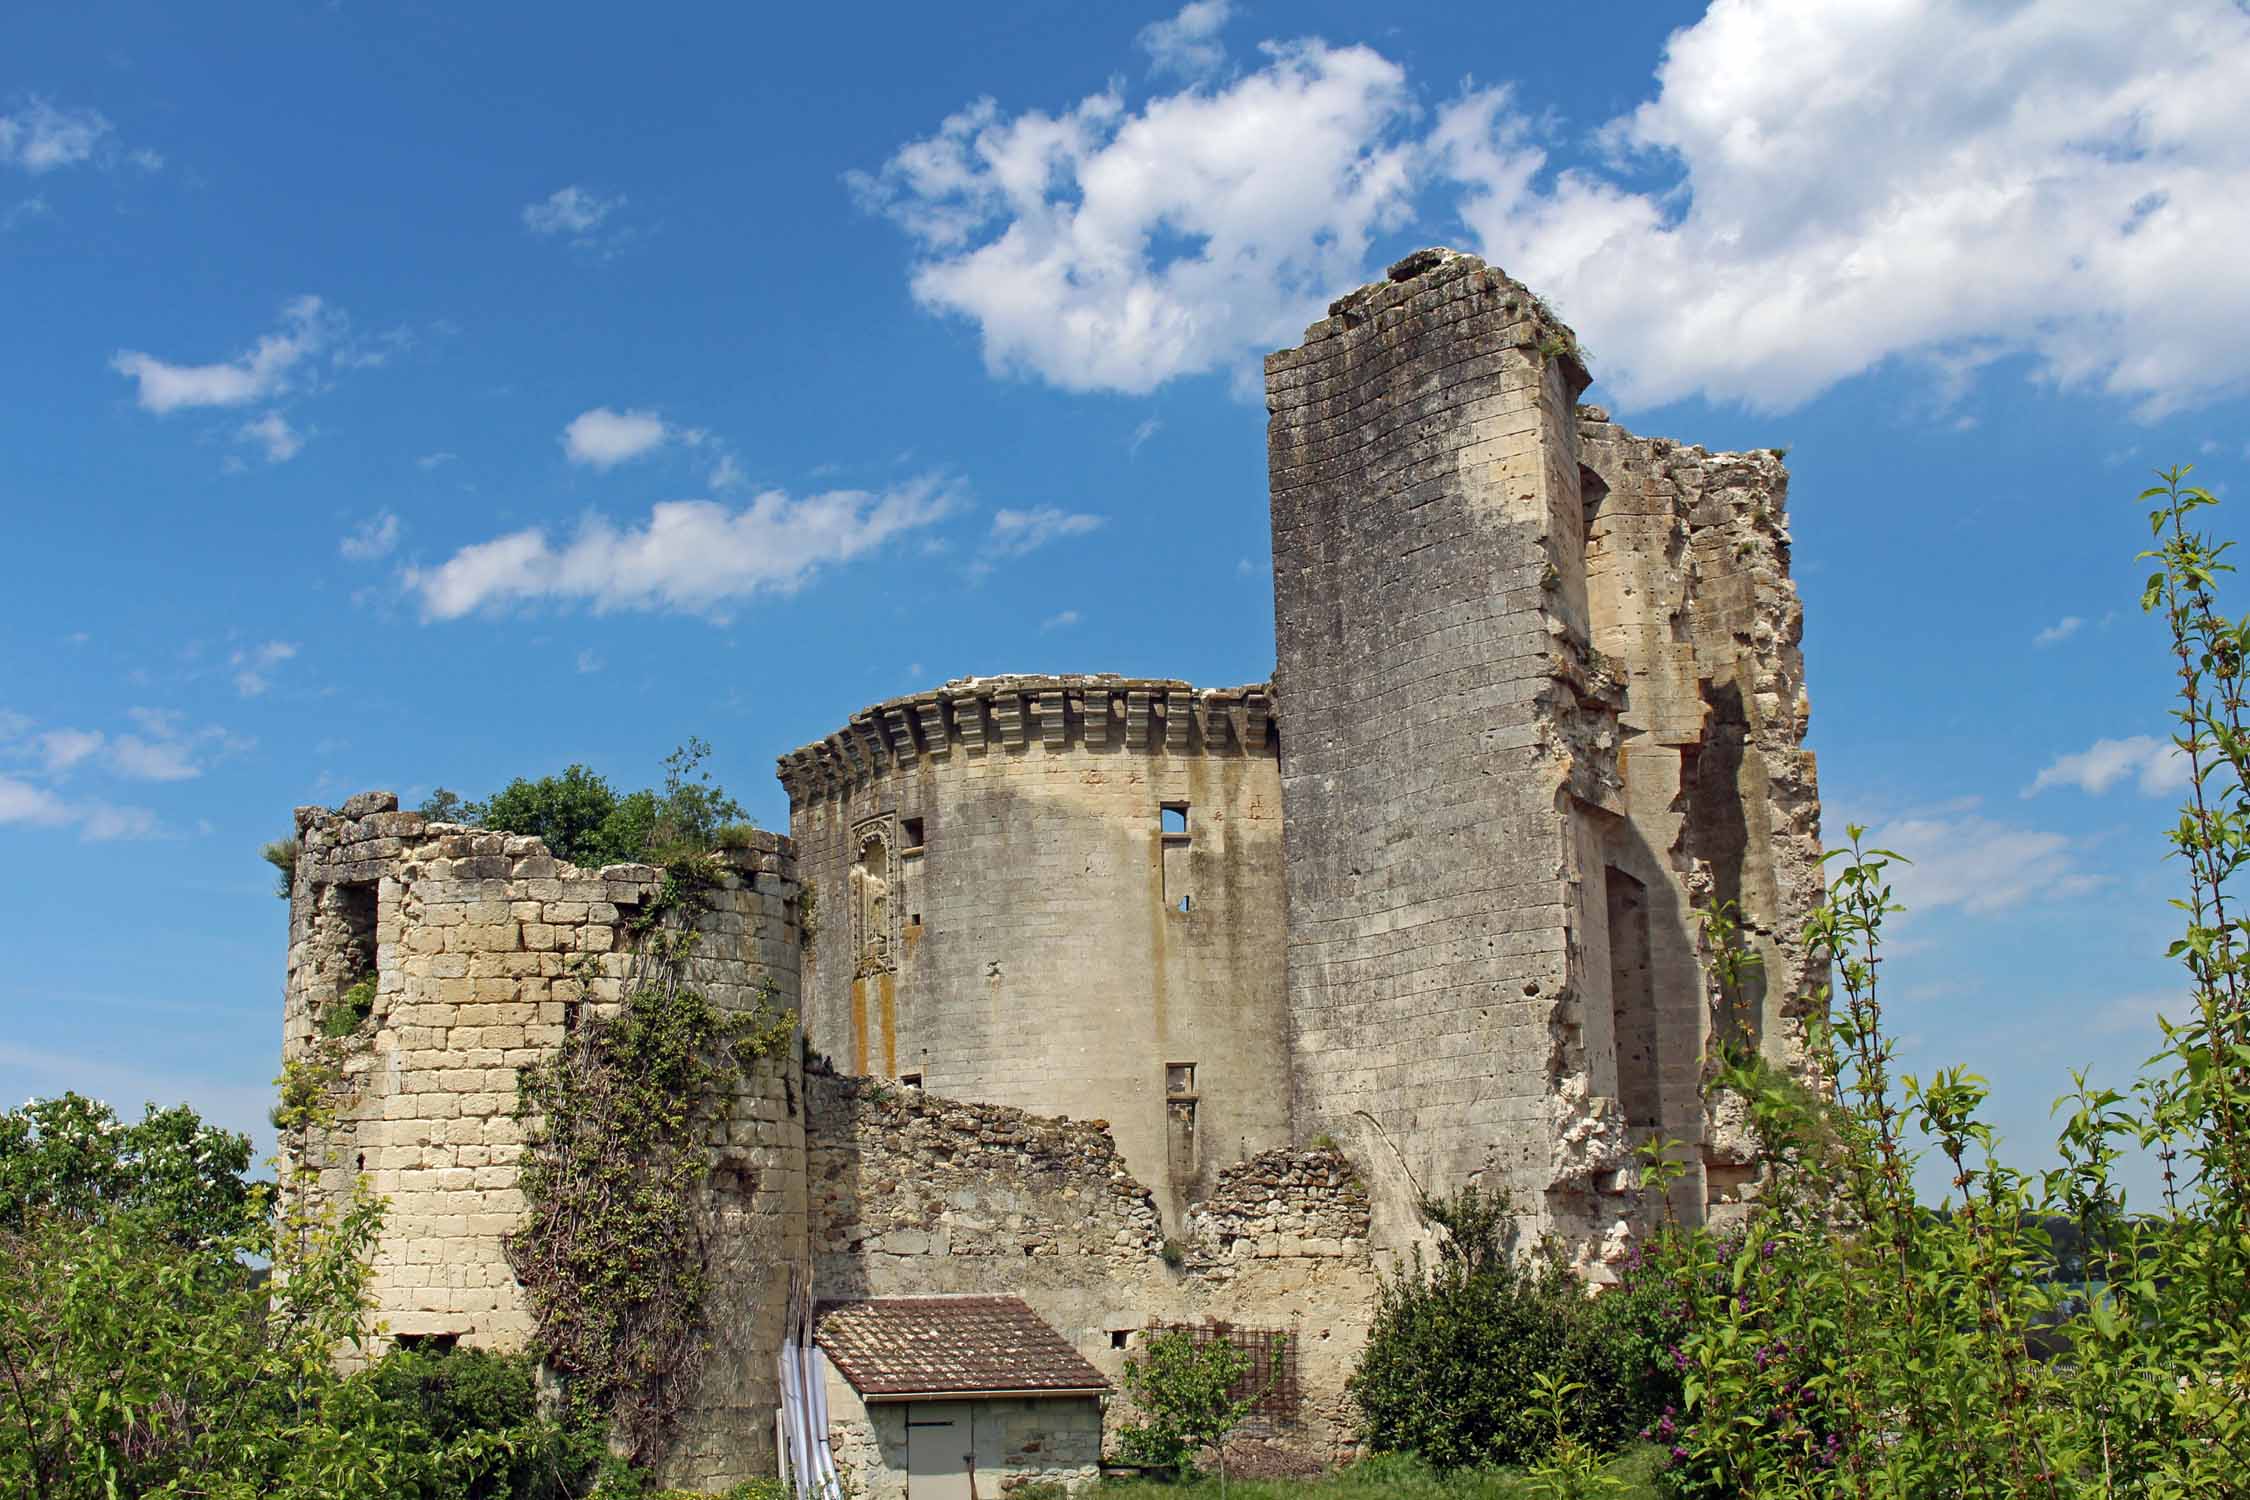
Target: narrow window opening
[1120, 1337]
[913, 828]
[429, 1343]
[1172, 834]
[1632, 992]
[1179, 1078]
[914, 920]
[909, 1080]
[570, 1016]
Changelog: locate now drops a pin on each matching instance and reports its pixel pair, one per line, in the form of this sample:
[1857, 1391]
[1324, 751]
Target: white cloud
[2055, 179]
[2055, 634]
[1978, 864]
[1113, 249]
[273, 432]
[573, 211]
[605, 438]
[588, 662]
[690, 555]
[1188, 44]
[254, 666]
[1015, 532]
[726, 474]
[430, 461]
[1062, 621]
[2156, 766]
[62, 749]
[31, 806]
[39, 137]
[1969, 181]
[1141, 434]
[261, 372]
[372, 538]
[25, 211]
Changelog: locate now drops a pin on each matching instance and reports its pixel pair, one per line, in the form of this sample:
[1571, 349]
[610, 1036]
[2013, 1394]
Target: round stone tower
[1059, 893]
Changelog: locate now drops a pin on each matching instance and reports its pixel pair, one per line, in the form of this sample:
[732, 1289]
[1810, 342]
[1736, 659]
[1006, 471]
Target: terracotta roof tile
[928, 1346]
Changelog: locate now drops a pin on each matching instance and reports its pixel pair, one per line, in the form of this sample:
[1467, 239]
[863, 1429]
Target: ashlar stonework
[1159, 1006]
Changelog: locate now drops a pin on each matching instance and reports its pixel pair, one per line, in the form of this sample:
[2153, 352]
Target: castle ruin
[1151, 1005]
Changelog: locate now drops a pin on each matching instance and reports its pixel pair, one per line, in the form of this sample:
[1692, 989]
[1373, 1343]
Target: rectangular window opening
[429, 1343]
[909, 1080]
[1120, 1337]
[1172, 818]
[1172, 836]
[913, 830]
[1179, 1078]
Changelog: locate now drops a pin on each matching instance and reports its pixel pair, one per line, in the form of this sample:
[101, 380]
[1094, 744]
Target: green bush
[1454, 1357]
[1855, 1341]
[583, 819]
[1187, 1399]
[475, 1416]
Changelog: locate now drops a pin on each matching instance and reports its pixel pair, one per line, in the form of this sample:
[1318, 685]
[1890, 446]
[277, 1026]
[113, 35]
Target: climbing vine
[613, 1253]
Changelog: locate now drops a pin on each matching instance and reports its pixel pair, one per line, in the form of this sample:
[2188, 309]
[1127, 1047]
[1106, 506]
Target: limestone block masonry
[1060, 893]
[1503, 679]
[471, 938]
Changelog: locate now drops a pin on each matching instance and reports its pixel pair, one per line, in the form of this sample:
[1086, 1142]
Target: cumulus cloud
[2155, 766]
[39, 137]
[26, 805]
[691, 555]
[372, 538]
[2055, 634]
[261, 371]
[1187, 44]
[160, 747]
[253, 666]
[603, 439]
[2063, 182]
[1963, 859]
[1108, 248]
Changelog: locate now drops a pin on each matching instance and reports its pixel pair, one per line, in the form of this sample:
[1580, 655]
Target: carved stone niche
[874, 896]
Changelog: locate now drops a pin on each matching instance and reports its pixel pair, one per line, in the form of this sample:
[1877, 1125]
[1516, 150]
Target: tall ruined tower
[1535, 712]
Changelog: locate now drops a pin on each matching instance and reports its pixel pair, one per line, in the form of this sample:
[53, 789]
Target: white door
[939, 1450]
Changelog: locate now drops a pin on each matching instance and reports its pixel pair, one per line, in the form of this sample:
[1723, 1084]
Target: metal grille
[1272, 1376]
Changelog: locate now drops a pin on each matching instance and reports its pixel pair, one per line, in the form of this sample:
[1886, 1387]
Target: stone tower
[1062, 894]
[1542, 696]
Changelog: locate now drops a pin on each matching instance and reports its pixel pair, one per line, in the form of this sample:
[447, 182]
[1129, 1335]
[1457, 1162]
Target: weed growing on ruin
[612, 1253]
[1852, 1341]
[282, 855]
[344, 1015]
[583, 819]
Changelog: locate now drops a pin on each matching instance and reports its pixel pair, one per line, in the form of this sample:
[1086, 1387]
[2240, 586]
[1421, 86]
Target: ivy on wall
[613, 1254]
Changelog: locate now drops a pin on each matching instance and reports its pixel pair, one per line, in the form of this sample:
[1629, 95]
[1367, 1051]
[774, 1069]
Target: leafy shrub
[475, 1414]
[1185, 1393]
[583, 819]
[343, 1016]
[1454, 1357]
[71, 1158]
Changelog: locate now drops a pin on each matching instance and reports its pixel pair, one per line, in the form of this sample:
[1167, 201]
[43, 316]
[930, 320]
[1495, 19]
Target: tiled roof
[891, 1347]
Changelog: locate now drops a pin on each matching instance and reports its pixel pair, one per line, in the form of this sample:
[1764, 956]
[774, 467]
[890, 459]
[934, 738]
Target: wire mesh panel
[1271, 1379]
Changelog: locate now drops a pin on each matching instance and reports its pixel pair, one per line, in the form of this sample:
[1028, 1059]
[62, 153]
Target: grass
[1393, 1477]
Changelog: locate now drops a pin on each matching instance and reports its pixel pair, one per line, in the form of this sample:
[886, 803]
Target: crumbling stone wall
[485, 950]
[913, 1195]
[1449, 768]
[1003, 913]
[1688, 577]
[1544, 698]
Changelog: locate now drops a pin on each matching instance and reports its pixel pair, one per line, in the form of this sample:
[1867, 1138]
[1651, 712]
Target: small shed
[956, 1398]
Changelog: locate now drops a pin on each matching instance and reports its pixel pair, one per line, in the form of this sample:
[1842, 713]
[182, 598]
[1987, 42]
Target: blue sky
[394, 397]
